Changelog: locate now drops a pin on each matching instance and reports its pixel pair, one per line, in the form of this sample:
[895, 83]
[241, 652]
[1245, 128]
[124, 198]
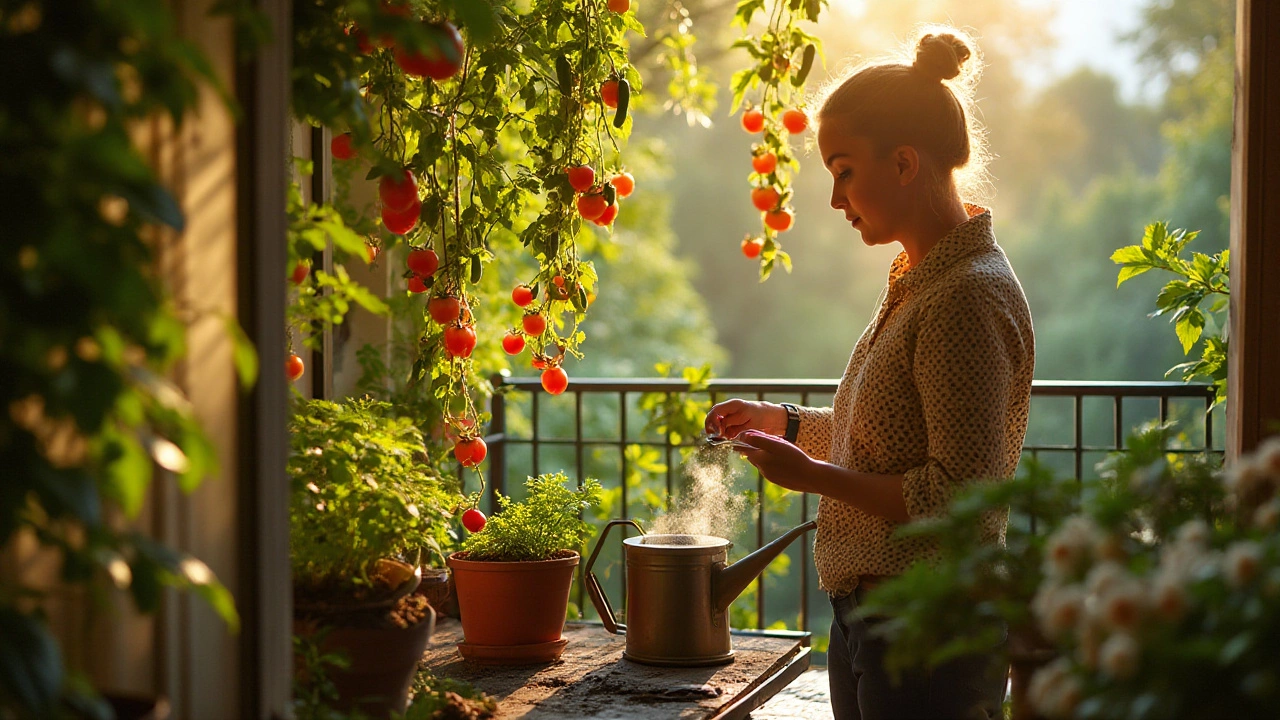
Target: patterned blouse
[937, 390]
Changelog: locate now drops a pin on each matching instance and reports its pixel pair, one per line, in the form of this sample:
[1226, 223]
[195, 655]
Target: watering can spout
[731, 580]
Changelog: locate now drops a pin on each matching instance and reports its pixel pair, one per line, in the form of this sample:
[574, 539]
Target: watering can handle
[598, 598]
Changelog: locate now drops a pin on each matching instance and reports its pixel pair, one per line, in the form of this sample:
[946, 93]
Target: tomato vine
[783, 55]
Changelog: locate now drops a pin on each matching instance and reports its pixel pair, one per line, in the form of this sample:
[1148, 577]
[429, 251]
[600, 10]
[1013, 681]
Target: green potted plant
[513, 576]
[363, 508]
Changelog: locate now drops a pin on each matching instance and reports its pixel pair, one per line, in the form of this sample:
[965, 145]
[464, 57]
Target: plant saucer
[513, 654]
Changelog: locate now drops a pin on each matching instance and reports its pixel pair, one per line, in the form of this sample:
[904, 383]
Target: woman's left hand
[779, 461]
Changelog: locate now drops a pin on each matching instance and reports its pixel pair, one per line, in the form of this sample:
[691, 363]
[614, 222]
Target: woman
[937, 390]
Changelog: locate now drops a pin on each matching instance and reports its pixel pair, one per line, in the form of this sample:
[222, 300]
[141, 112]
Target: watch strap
[793, 422]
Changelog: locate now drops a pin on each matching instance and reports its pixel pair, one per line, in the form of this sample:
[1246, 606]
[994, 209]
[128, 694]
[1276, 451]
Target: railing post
[498, 449]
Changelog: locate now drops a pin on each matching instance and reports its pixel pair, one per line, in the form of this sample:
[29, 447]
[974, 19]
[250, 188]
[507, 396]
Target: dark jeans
[861, 689]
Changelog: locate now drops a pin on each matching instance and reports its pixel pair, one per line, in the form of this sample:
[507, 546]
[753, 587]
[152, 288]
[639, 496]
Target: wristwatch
[793, 422]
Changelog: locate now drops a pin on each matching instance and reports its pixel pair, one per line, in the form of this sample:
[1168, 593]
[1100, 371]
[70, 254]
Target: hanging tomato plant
[782, 55]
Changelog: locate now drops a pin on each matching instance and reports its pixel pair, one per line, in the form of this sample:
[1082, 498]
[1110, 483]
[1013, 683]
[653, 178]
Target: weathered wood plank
[592, 680]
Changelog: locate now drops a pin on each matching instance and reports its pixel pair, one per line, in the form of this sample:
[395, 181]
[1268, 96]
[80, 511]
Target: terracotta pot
[382, 660]
[513, 603]
[438, 588]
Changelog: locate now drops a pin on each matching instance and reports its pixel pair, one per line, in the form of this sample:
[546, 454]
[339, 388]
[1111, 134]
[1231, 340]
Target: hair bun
[939, 57]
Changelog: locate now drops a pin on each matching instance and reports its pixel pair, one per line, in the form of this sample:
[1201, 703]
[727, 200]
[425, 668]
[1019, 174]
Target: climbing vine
[88, 328]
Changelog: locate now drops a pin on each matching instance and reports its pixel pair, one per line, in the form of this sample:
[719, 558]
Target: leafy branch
[1201, 278]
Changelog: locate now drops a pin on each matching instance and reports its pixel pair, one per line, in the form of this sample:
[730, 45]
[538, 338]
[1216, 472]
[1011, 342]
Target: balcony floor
[805, 699]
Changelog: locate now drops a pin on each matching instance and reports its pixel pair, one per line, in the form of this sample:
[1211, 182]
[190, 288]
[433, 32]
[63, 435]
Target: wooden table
[592, 680]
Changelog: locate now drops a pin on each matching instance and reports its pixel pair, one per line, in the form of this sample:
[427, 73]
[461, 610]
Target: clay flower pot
[383, 658]
[513, 612]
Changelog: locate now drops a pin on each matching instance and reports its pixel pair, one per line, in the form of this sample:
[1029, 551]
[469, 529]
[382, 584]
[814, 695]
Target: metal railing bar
[1047, 388]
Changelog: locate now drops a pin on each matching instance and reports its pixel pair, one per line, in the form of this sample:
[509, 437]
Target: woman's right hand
[731, 417]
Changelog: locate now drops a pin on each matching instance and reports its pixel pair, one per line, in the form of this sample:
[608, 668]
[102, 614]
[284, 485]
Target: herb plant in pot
[363, 507]
[513, 577]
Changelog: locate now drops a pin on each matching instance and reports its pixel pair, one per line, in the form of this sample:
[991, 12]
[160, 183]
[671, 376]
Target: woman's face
[870, 189]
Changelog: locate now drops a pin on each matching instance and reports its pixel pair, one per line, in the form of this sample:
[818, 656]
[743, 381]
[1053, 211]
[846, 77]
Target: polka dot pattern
[937, 390]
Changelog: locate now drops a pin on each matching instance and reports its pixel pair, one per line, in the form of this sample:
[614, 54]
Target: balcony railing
[1073, 425]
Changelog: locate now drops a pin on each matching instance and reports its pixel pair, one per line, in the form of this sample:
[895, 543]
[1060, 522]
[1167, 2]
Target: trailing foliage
[965, 598]
[87, 327]
[547, 521]
[360, 492]
[1202, 278]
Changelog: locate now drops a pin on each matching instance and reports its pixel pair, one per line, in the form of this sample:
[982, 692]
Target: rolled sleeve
[814, 435]
[965, 357]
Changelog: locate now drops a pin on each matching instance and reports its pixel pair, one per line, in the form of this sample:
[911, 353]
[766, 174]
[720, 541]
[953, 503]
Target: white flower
[1186, 560]
[1119, 597]
[1194, 533]
[1241, 562]
[1268, 516]
[1119, 656]
[1069, 545]
[1267, 456]
[1054, 691]
[1091, 635]
[1058, 608]
[1170, 597]
[1104, 577]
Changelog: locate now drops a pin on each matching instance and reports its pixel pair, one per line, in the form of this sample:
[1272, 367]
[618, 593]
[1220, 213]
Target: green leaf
[31, 670]
[1128, 273]
[1130, 254]
[128, 473]
[1189, 327]
[243, 354]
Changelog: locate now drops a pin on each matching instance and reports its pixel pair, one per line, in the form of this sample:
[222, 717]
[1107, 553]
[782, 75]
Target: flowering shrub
[1175, 623]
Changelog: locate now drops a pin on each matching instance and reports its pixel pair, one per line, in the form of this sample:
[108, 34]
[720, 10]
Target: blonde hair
[921, 96]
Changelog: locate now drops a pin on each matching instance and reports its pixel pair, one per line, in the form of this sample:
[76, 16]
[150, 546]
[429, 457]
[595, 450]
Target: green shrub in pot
[361, 492]
[513, 577]
[364, 506]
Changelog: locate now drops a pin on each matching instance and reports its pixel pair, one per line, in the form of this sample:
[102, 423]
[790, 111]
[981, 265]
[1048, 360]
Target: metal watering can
[679, 589]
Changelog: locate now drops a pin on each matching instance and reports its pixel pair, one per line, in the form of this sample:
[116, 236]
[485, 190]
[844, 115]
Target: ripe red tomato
[398, 190]
[342, 146]
[591, 206]
[779, 219]
[459, 340]
[439, 62]
[619, 6]
[624, 183]
[293, 367]
[558, 280]
[581, 177]
[555, 380]
[444, 309]
[534, 324]
[300, 272]
[764, 163]
[751, 247]
[363, 44]
[765, 198]
[401, 222]
[522, 295]
[609, 93]
[423, 262]
[795, 121]
[470, 451]
[416, 285]
[607, 217]
[473, 520]
[753, 121]
[513, 343]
